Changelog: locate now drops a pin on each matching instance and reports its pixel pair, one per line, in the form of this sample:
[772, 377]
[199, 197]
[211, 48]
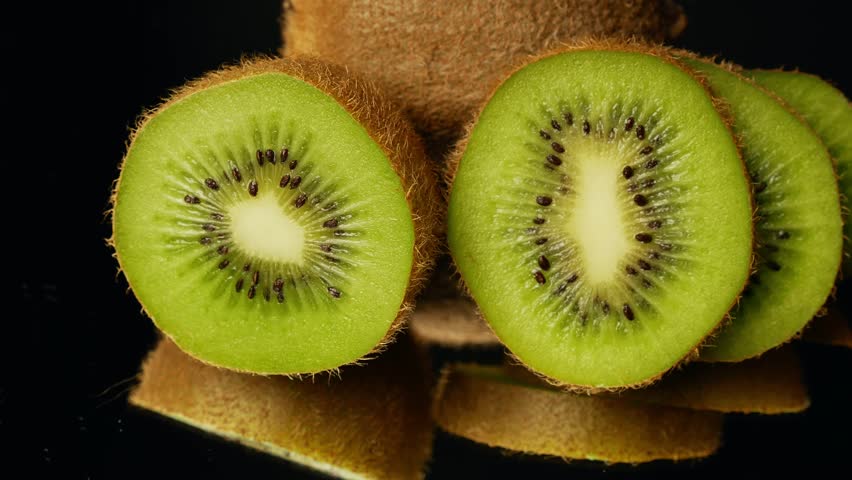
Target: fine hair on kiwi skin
[361, 103]
[372, 421]
[736, 173]
[439, 62]
[798, 240]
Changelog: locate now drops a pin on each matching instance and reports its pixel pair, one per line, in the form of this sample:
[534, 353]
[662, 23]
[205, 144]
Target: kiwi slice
[452, 323]
[373, 422]
[600, 216]
[487, 405]
[828, 112]
[440, 63]
[276, 217]
[798, 230]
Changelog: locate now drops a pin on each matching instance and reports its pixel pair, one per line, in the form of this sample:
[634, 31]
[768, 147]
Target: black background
[74, 79]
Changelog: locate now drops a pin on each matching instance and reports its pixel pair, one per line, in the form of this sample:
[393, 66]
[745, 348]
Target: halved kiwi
[490, 406]
[440, 62]
[372, 423]
[799, 231]
[828, 112]
[600, 216]
[276, 217]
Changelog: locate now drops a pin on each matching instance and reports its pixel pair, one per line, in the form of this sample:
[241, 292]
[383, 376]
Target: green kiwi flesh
[828, 112]
[798, 231]
[262, 228]
[600, 216]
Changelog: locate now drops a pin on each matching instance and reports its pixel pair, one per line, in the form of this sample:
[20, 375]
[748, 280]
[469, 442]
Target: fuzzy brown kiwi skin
[621, 45]
[385, 124]
[439, 61]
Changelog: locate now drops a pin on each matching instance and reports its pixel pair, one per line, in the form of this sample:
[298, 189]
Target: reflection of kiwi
[829, 113]
[770, 384]
[798, 230]
[487, 405]
[832, 329]
[599, 215]
[276, 217]
[440, 61]
[372, 423]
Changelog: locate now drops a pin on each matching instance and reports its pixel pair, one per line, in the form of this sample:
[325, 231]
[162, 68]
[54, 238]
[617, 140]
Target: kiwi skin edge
[626, 45]
[382, 120]
[439, 62]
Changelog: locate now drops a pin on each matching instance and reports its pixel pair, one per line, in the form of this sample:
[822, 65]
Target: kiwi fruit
[798, 231]
[439, 62]
[373, 422]
[243, 227]
[600, 216]
[451, 323]
[770, 384]
[828, 112]
[489, 406]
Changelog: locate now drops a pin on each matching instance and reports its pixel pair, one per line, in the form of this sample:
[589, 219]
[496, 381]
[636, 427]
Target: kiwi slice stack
[278, 216]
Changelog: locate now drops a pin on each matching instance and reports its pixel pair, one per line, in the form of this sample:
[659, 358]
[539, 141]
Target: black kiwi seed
[247, 267]
[569, 118]
[270, 156]
[605, 308]
[543, 200]
[561, 288]
[211, 184]
[544, 134]
[630, 270]
[330, 223]
[191, 200]
[236, 173]
[223, 250]
[539, 277]
[239, 285]
[223, 264]
[334, 292]
[281, 297]
[627, 171]
[295, 183]
[640, 132]
[557, 147]
[646, 283]
[205, 240]
[279, 283]
[782, 235]
[774, 266]
[284, 181]
[655, 224]
[252, 188]
[541, 241]
[644, 237]
[208, 227]
[325, 247]
[538, 220]
[251, 291]
[293, 164]
[651, 163]
[628, 125]
[640, 200]
[217, 216]
[644, 265]
[627, 311]
[586, 127]
[284, 154]
[555, 125]
[543, 262]
[554, 160]
[259, 156]
[646, 150]
[653, 255]
[300, 200]
[573, 278]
